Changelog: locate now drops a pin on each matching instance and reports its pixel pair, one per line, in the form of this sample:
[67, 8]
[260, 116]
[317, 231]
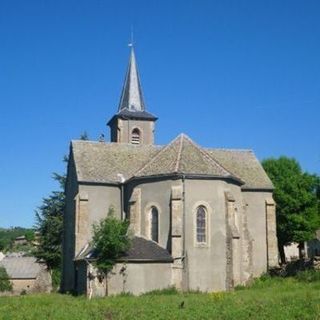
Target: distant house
[313, 246]
[311, 249]
[26, 274]
[20, 240]
[291, 252]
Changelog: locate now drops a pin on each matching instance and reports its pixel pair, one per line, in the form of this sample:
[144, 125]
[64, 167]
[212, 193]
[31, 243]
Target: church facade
[201, 218]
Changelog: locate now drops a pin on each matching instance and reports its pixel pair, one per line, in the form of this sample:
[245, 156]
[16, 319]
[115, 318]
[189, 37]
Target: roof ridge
[229, 149]
[208, 157]
[109, 143]
[154, 158]
[179, 153]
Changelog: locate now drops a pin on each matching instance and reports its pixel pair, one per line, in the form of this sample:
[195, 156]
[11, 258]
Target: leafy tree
[8, 235]
[49, 222]
[110, 240]
[5, 284]
[29, 235]
[297, 197]
[2, 244]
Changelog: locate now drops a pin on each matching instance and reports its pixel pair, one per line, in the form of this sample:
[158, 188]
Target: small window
[201, 221]
[135, 136]
[154, 224]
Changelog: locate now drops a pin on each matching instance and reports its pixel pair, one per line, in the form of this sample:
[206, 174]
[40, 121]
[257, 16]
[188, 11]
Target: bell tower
[132, 123]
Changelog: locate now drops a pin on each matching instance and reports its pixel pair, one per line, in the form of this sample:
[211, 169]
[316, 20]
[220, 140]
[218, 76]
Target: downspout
[121, 186]
[128, 131]
[184, 215]
[184, 254]
[122, 201]
[89, 278]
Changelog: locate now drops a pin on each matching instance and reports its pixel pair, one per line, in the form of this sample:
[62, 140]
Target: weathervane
[131, 42]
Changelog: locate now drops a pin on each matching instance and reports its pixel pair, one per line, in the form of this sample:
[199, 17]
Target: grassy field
[265, 299]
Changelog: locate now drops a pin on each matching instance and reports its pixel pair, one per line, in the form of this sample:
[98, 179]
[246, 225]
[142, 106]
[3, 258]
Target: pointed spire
[131, 97]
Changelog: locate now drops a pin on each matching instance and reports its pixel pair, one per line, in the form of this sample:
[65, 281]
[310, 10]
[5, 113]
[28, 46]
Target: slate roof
[143, 115]
[141, 250]
[183, 156]
[21, 267]
[102, 162]
[133, 115]
[131, 96]
[99, 162]
[244, 164]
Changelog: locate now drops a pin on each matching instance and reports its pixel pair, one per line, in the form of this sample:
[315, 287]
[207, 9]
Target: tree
[110, 240]
[5, 284]
[49, 222]
[296, 196]
[29, 235]
[2, 244]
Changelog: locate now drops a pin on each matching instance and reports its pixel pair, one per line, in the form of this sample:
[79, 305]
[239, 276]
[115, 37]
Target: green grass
[266, 298]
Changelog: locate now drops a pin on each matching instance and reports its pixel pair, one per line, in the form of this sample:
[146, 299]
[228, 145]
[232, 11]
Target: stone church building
[202, 218]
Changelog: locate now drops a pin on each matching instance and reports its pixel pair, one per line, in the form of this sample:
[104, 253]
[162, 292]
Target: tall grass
[266, 298]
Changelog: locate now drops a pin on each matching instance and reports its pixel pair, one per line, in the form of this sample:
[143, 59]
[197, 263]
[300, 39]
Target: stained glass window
[154, 224]
[201, 224]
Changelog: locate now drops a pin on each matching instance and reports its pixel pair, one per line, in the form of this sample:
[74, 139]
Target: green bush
[56, 279]
[167, 291]
[23, 292]
[5, 284]
[110, 240]
[308, 276]
[29, 235]
[264, 281]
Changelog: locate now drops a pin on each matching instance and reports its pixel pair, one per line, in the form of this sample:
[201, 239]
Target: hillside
[8, 235]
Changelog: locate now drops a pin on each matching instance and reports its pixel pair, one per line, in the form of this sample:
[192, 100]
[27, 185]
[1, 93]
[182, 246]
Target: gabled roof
[104, 162]
[100, 162]
[141, 250]
[244, 164]
[183, 156]
[19, 267]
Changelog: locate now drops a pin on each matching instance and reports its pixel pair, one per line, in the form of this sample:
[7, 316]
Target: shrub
[110, 240]
[5, 284]
[167, 291]
[29, 235]
[56, 279]
[308, 276]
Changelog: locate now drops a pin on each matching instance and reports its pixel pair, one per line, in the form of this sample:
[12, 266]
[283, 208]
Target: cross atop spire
[131, 97]
[132, 123]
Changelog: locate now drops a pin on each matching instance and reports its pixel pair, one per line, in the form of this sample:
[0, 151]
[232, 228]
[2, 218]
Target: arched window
[154, 224]
[201, 221]
[135, 136]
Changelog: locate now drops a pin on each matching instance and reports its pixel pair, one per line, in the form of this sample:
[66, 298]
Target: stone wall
[40, 284]
[121, 131]
[138, 278]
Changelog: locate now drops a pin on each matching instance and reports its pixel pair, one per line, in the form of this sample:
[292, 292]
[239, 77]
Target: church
[202, 218]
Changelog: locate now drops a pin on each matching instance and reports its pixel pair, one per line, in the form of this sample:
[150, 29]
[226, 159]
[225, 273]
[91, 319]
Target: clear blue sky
[231, 74]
